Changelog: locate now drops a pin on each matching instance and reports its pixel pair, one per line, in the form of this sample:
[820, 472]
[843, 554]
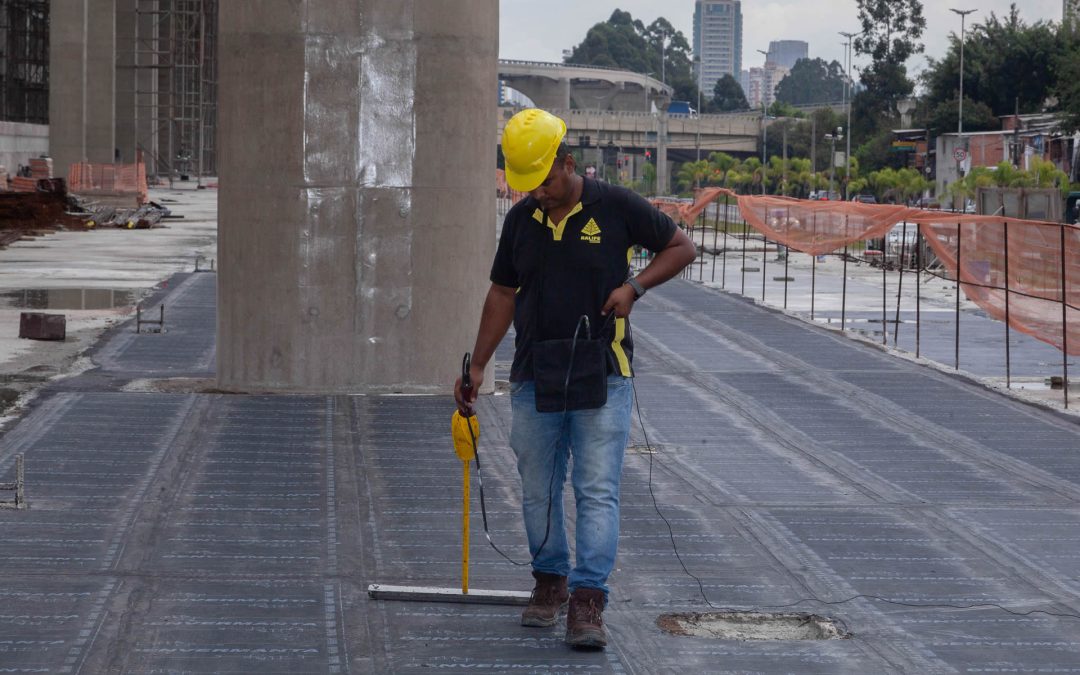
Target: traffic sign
[959, 154]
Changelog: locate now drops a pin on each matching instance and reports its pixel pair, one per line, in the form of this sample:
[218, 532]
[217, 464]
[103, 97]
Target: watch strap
[639, 290]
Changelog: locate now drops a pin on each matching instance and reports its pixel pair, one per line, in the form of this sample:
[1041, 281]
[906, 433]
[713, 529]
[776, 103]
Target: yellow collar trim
[557, 230]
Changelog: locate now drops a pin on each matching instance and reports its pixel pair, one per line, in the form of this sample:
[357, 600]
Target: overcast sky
[539, 31]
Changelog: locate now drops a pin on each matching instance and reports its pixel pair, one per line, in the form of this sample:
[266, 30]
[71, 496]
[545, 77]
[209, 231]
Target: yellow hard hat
[529, 143]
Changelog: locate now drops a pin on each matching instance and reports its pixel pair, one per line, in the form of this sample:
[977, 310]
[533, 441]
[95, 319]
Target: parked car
[864, 199]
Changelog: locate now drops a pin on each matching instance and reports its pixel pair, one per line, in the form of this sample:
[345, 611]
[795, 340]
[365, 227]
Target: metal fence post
[723, 273]
[900, 283]
[956, 344]
[1064, 322]
[1008, 352]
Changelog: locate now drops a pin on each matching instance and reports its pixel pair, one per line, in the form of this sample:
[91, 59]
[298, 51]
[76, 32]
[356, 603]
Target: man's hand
[466, 399]
[621, 301]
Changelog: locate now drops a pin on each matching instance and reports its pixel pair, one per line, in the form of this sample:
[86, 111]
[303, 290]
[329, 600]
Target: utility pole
[960, 128]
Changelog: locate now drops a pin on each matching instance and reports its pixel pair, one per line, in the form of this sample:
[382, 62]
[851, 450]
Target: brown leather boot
[584, 621]
[548, 599]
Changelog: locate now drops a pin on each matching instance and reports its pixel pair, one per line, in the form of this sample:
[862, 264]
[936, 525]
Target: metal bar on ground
[432, 594]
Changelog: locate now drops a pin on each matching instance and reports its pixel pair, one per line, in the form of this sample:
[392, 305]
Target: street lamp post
[960, 128]
[764, 123]
[833, 138]
[847, 98]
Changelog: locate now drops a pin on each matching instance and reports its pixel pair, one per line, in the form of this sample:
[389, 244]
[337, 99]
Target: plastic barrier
[113, 179]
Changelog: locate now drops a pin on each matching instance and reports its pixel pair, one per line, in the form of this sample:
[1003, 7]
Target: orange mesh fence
[85, 178]
[1040, 276]
[504, 191]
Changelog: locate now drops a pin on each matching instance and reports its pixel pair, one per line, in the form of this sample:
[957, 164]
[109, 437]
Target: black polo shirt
[564, 270]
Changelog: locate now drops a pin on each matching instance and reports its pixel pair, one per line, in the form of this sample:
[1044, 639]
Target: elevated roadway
[562, 86]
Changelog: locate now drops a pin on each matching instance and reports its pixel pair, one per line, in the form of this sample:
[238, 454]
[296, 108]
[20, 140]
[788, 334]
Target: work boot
[584, 621]
[548, 599]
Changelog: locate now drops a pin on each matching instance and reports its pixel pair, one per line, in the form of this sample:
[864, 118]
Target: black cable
[466, 362]
[864, 596]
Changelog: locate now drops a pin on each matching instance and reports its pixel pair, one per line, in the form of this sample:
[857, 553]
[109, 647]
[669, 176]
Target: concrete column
[82, 82]
[67, 83]
[101, 81]
[355, 218]
[125, 79]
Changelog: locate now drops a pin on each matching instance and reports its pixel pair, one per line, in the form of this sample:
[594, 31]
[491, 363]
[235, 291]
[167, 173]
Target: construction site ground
[176, 529]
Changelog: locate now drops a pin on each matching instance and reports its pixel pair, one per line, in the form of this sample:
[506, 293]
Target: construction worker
[561, 275]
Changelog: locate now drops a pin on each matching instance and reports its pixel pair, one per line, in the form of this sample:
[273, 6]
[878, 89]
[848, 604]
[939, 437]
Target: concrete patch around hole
[751, 626]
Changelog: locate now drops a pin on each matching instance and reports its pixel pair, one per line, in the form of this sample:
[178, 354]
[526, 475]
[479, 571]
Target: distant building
[787, 52]
[762, 83]
[717, 40]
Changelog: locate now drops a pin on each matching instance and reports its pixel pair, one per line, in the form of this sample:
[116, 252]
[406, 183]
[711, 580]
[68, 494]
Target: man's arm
[495, 320]
[671, 260]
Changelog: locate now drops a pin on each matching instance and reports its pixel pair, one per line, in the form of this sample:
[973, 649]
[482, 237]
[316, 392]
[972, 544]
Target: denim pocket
[516, 387]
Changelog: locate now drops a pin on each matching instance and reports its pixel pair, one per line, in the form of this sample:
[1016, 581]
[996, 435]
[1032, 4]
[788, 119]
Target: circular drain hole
[752, 626]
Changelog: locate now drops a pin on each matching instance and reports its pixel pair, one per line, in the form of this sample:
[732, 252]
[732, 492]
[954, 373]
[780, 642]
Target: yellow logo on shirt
[591, 232]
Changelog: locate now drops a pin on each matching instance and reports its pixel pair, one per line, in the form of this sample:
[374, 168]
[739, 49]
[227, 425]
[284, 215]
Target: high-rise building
[787, 52]
[763, 82]
[717, 40]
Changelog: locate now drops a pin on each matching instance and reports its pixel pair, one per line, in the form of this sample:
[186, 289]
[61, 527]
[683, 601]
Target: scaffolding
[24, 61]
[175, 97]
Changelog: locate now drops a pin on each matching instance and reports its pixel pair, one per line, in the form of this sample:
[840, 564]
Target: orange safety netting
[503, 190]
[85, 178]
[1043, 262]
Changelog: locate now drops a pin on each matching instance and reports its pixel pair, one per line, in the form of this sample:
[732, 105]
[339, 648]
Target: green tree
[625, 42]
[1067, 88]
[891, 35]
[812, 81]
[890, 30]
[1007, 63]
[728, 95]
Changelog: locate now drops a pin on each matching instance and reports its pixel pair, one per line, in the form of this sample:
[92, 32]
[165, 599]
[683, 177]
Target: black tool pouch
[586, 362]
[570, 374]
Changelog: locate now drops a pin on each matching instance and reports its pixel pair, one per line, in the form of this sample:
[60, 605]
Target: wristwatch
[639, 290]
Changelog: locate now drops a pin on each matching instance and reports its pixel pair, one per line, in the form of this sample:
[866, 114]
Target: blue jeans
[543, 443]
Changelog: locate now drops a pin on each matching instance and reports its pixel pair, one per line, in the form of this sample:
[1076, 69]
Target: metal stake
[884, 294]
[1008, 354]
[843, 294]
[742, 291]
[918, 290]
[764, 263]
[701, 268]
[1064, 323]
[723, 273]
[956, 344]
[715, 234]
[900, 284]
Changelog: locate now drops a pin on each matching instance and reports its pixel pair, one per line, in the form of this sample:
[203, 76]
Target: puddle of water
[70, 298]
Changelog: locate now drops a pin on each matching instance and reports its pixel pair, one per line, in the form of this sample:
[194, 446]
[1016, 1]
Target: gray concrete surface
[204, 533]
[348, 211]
